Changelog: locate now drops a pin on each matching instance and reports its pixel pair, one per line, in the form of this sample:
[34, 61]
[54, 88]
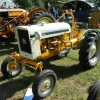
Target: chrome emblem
[23, 41]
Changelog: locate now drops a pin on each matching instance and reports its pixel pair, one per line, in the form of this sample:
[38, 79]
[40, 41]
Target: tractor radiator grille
[24, 41]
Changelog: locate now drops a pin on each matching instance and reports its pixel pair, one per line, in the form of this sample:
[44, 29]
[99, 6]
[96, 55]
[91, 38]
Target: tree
[39, 3]
[25, 4]
[96, 2]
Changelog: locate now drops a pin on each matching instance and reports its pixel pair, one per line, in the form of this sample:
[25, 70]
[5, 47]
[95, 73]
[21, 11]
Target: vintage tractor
[43, 41]
[9, 18]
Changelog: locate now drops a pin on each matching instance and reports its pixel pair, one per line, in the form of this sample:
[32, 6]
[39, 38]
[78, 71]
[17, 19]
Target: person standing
[54, 13]
[48, 6]
[4, 5]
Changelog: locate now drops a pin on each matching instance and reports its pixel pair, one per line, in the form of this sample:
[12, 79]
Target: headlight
[37, 35]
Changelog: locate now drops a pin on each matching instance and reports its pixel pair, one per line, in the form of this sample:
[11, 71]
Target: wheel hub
[45, 20]
[45, 85]
[92, 50]
[12, 66]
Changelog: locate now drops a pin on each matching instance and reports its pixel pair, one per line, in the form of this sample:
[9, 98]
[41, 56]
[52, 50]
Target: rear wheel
[41, 17]
[9, 69]
[89, 50]
[44, 84]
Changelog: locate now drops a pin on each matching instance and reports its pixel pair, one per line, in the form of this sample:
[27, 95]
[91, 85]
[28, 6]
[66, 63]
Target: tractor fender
[91, 30]
[36, 10]
[86, 32]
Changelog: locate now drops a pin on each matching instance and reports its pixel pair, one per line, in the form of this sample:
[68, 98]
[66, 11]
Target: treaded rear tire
[44, 16]
[91, 41]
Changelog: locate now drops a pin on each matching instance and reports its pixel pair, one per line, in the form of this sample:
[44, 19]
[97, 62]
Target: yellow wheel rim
[45, 20]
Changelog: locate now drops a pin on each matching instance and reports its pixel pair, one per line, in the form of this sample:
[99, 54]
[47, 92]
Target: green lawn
[72, 82]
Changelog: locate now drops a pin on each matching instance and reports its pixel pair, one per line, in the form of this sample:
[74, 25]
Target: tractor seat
[79, 24]
[81, 21]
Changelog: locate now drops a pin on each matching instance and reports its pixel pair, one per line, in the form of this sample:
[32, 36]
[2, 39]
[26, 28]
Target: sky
[9, 0]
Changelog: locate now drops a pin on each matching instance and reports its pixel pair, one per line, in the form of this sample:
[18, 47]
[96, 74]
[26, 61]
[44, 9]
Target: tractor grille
[24, 41]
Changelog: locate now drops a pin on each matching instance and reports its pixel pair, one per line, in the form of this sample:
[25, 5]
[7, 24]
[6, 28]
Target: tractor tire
[41, 17]
[8, 69]
[3, 27]
[44, 84]
[94, 93]
[90, 50]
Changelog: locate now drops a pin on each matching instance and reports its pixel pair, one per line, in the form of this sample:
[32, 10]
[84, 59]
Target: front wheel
[44, 84]
[9, 68]
[94, 93]
[90, 50]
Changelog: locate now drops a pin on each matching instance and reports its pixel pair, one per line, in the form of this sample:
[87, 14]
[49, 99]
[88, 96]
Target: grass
[72, 82]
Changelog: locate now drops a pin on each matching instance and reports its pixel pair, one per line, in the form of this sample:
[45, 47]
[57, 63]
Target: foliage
[58, 5]
[25, 4]
[39, 3]
[96, 2]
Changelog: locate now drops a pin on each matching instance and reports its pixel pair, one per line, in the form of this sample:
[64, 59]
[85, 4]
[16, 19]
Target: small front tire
[9, 69]
[44, 84]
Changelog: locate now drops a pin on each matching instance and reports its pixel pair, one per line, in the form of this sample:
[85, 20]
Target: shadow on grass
[65, 72]
[2, 78]
[62, 71]
[8, 89]
[12, 86]
[7, 48]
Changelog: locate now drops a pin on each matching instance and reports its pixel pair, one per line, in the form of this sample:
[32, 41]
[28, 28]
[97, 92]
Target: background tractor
[9, 18]
[84, 9]
[42, 41]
